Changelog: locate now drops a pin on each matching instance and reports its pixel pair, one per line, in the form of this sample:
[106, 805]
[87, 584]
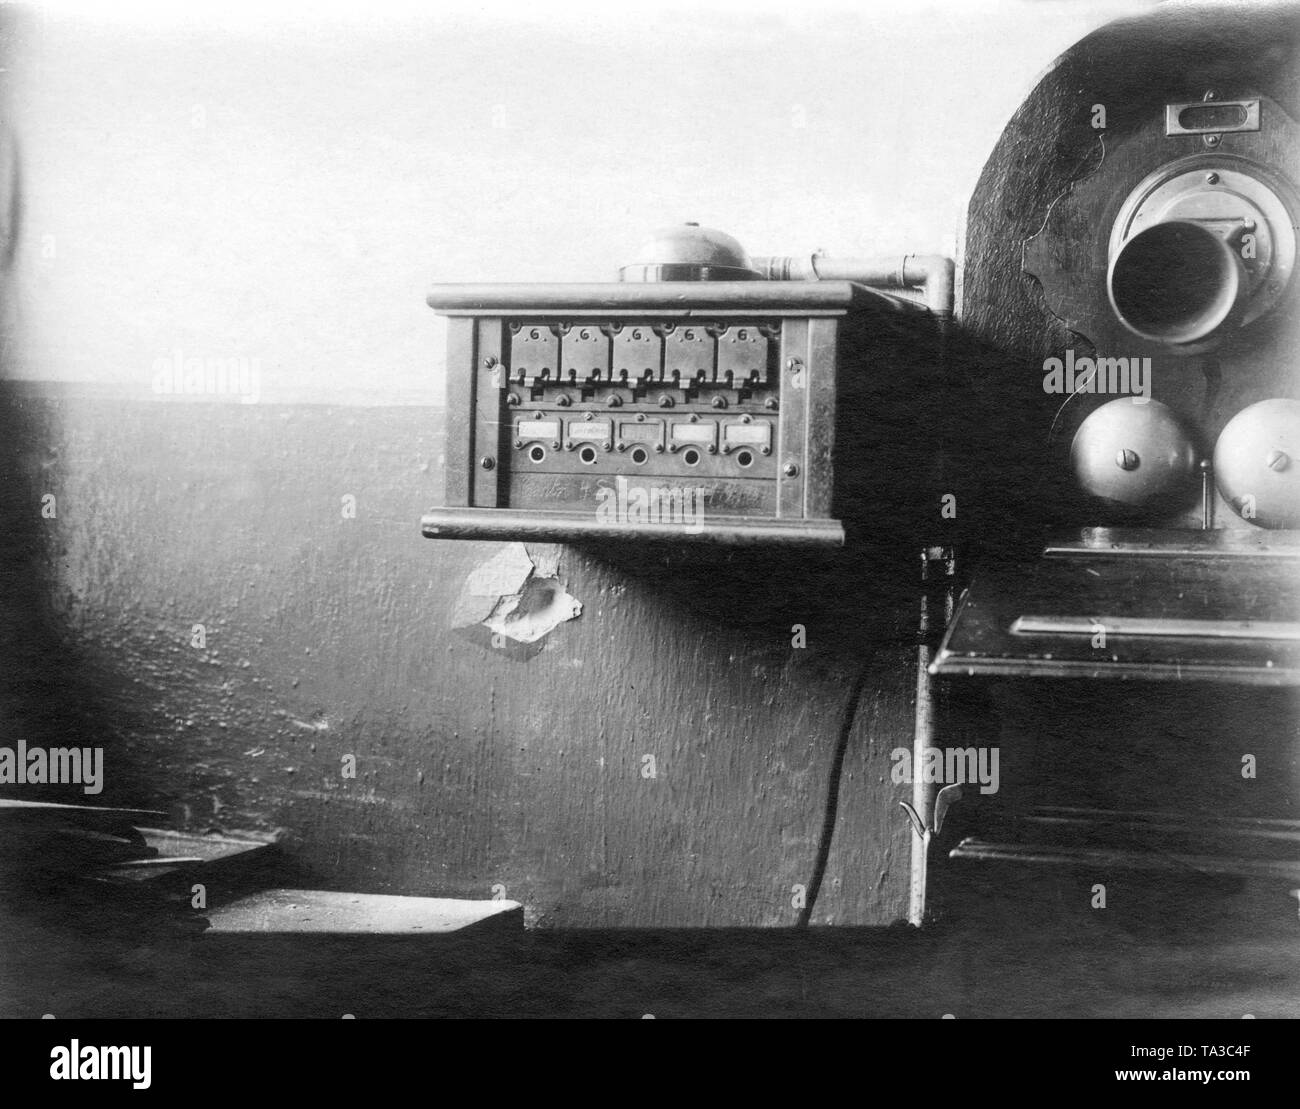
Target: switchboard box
[692, 411]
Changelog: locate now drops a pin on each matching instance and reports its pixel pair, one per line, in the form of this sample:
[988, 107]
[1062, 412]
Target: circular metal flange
[1232, 197]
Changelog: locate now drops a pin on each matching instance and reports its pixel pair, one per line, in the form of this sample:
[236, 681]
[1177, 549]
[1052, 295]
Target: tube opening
[1176, 282]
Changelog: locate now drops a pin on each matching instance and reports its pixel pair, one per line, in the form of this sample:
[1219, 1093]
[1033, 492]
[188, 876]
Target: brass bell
[1257, 463]
[1135, 453]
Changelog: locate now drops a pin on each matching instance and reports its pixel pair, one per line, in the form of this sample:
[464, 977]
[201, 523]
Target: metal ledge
[501, 524]
[686, 299]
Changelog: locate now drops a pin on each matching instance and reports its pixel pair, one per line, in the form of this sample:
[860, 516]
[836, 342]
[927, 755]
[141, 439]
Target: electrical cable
[833, 793]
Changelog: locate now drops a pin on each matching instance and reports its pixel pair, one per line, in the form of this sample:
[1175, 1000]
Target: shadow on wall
[50, 698]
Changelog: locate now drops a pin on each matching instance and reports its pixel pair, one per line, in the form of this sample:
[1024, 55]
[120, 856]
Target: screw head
[1127, 459]
[770, 403]
[489, 362]
[512, 399]
[665, 402]
[1211, 178]
[719, 402]
[1211, 140]
[789, 469]
[488, 463]
[563, 400]
[1278, 460]
[615, 402]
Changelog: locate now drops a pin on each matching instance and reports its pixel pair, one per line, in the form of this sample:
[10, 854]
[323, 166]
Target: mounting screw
[770, 403]
[640, 417]
[665, 402]
[694, 418]
[713, 448]
[1211, 140]
[512, 399]
[1278, 460]
[588, 415]
[615, 402]
[1211, 178]
[794, 365]
[1126, 459]
[766, 450]
[563, 400]
[659, 448]
[746, 419]
[621, 447]
[555, 445]
[489, 362]
[789, 469]
[518, 443]
[719, 402]
[488, 463]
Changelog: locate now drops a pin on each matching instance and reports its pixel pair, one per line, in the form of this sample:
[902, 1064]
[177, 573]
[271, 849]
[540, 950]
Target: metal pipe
[932, 273]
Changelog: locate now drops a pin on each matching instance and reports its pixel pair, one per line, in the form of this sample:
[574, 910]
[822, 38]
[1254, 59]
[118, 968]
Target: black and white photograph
[693, 509]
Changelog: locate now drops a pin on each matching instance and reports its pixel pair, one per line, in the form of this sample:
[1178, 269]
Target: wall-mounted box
[689, 411]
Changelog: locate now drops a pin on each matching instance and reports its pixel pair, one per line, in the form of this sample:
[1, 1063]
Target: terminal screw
[1278, 460]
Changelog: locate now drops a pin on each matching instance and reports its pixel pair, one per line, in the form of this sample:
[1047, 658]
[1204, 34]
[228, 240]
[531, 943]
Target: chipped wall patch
[512, 602]
[542, 606]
